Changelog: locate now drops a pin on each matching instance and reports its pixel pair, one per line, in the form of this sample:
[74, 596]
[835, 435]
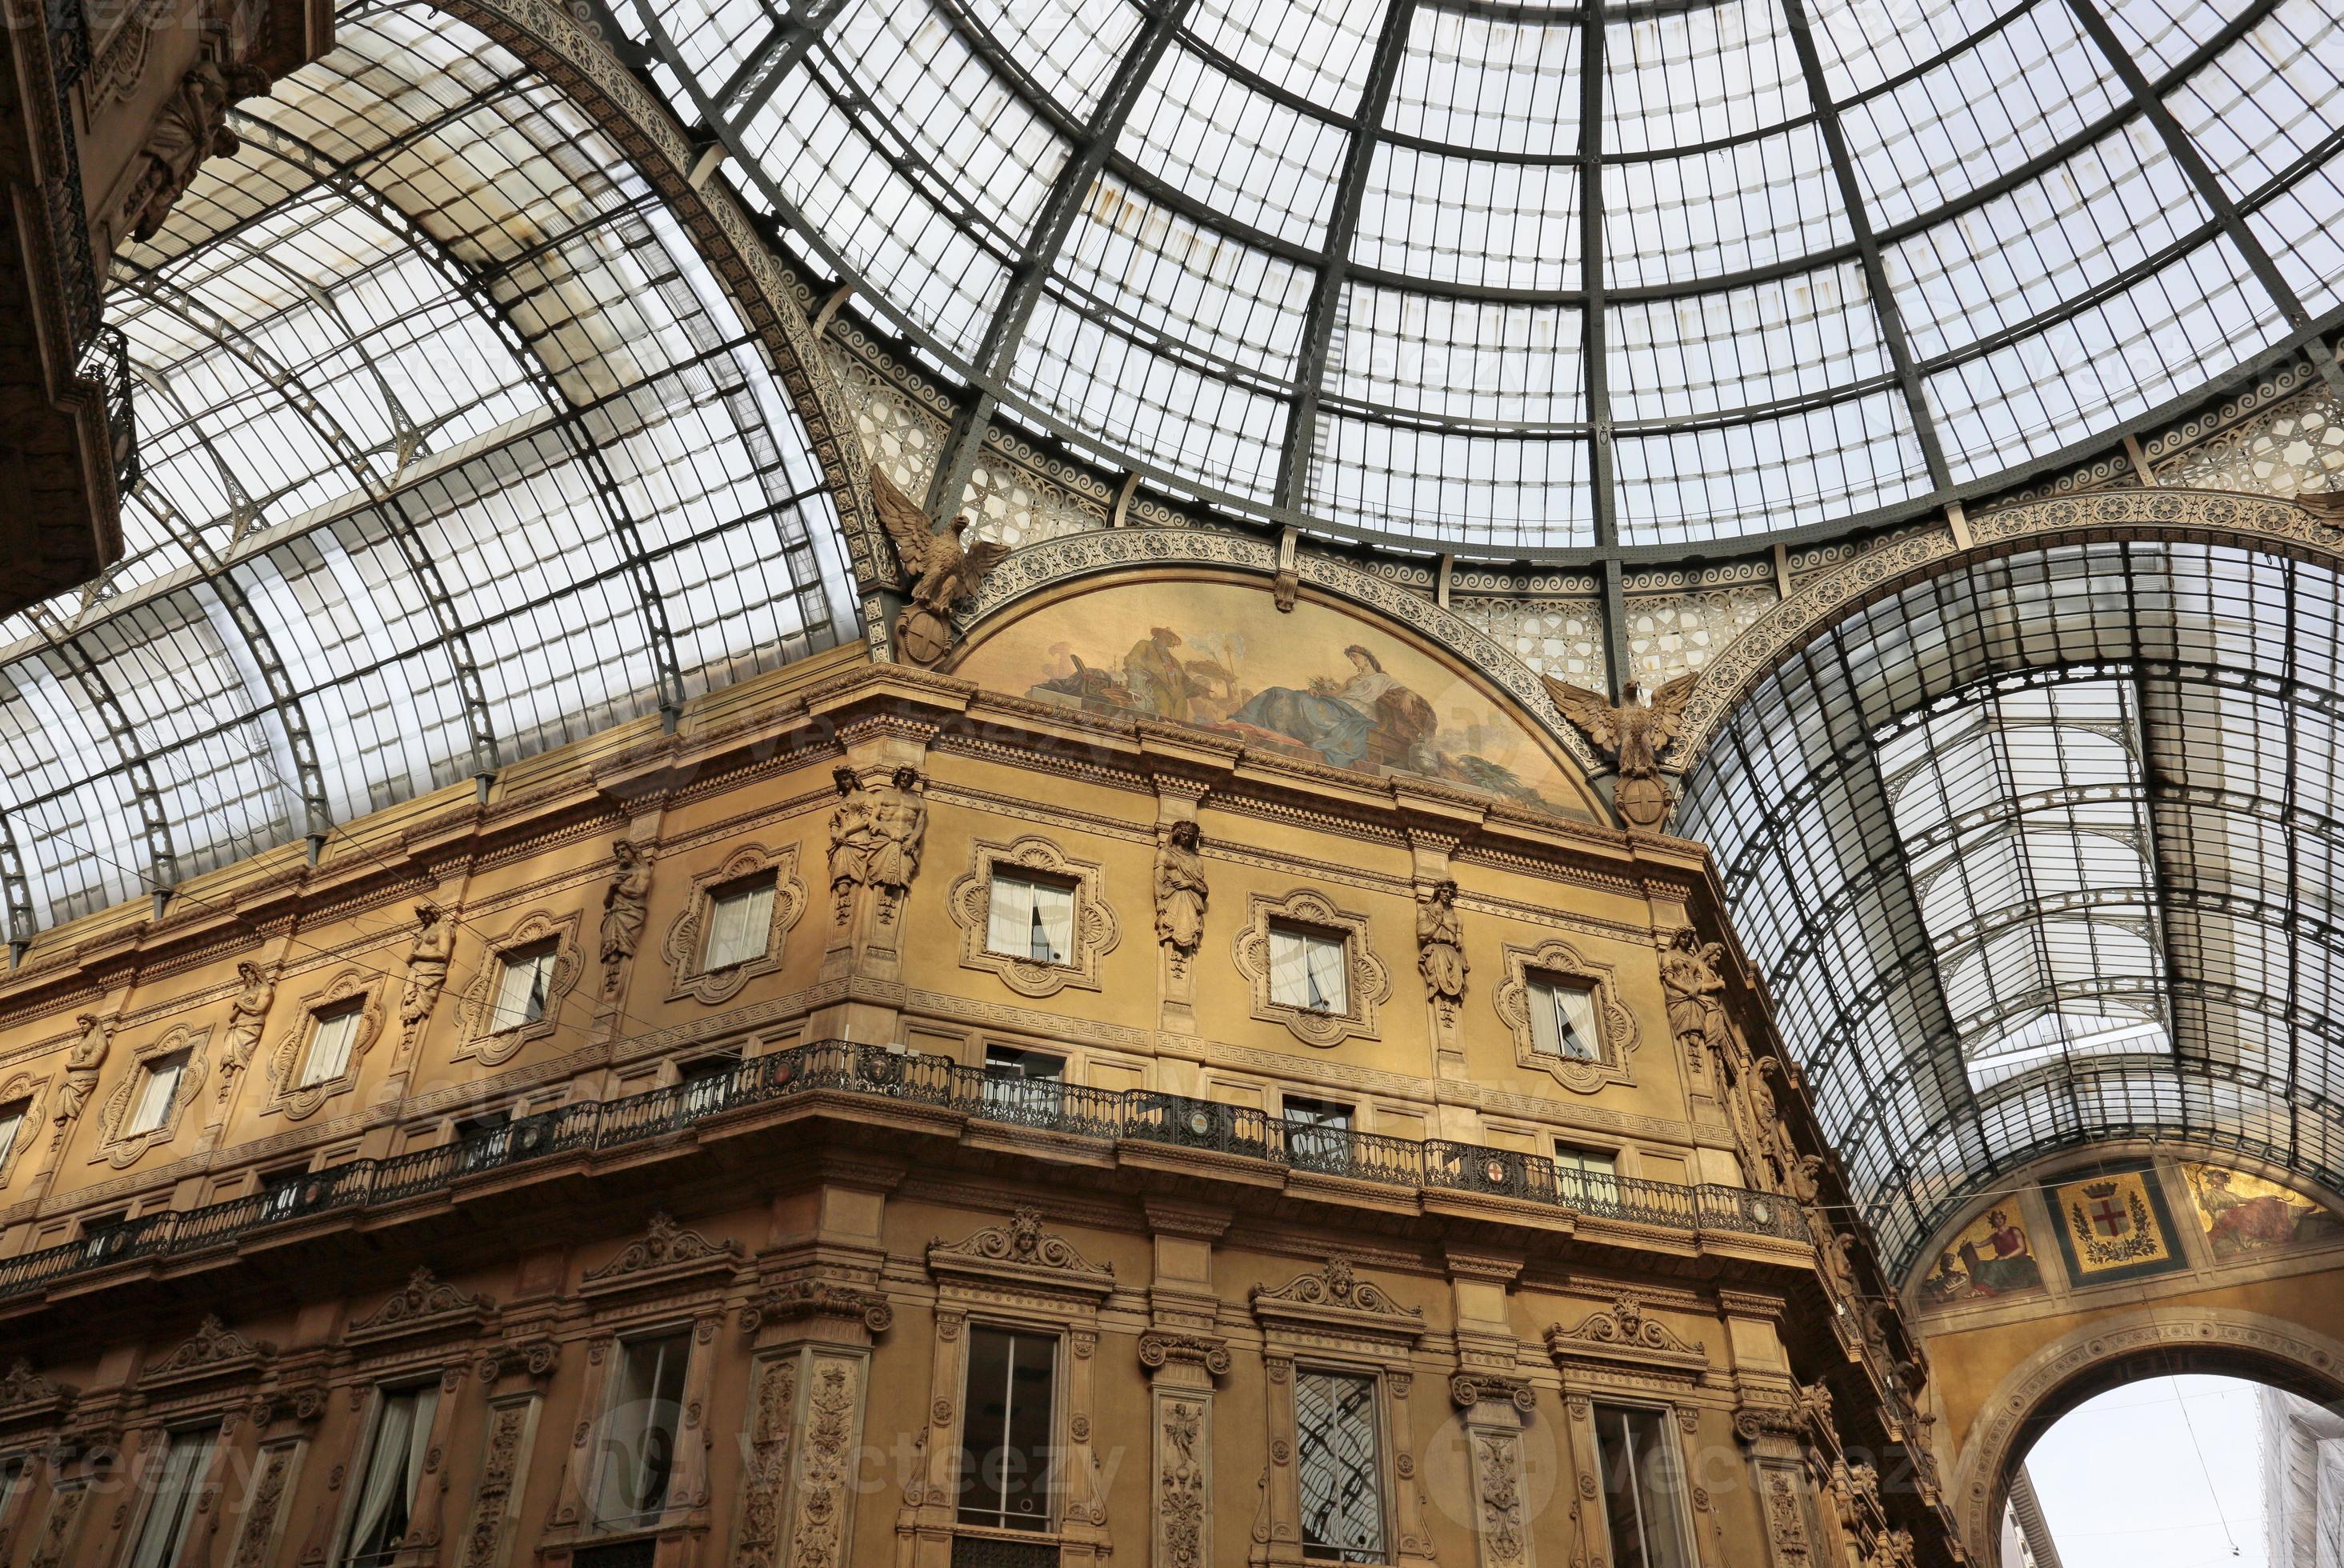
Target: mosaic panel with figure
[2243, 1214]
[1992, 1257]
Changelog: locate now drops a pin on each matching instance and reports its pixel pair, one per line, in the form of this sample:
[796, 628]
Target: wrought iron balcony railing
[1139, 1117]
[106, 361]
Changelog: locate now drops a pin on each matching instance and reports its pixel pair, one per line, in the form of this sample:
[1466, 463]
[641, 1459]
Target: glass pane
[1054, 924]
[12, 1117]
[520, 992]
[329, 1047]
[167, 1509]
[162, 1083]
[1340, 1472]
[1010, 924]
[1324, 958]
[1289, 984]
[1005, 1439]
[639, 1425]
[1639, 1488]
[739, 926]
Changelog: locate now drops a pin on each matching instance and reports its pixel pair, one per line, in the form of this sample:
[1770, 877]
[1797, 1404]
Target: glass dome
[1516, 279]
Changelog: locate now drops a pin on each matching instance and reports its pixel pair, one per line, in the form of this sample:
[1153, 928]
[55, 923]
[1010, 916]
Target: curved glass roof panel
[2046, 850]
[453, 451]
[1845, 263]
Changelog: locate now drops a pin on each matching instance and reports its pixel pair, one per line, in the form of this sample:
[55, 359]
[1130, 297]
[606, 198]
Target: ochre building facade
[1189, 1112]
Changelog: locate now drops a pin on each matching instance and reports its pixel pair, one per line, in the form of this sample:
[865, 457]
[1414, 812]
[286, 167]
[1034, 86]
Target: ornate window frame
[34, 1093]
[493, 1048]
[1017, 1275]
[1329, 1320]
[293, 1045]
[969, 902]
[686, 944]
[122, 1149]
[1366, 979]
[1614, 1021]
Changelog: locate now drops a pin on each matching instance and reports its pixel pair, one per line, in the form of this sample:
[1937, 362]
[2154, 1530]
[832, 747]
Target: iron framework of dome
[454, 448]
[1357, 266]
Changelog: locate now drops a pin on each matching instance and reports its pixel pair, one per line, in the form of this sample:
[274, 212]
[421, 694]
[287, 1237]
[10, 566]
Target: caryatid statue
[1180, 893]
[1441, 948]
[626, 904]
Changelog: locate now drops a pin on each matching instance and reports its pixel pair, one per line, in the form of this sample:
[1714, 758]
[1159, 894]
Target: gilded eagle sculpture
[1635, 734]
[942, 573]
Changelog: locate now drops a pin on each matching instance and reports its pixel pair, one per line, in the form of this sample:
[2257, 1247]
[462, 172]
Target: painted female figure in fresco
[1361, 722]
[2238, 1222]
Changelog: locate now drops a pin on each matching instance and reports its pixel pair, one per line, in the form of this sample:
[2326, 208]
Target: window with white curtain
[522, 986]
[152, 1109]
[639, 1428]
[12, 1123]
[1563, 1018]
[170, 1484]
[740, 924]
[1581, 1173]
[1031, 918]
[394, 1467]
[330, 1038]
[1306, 970]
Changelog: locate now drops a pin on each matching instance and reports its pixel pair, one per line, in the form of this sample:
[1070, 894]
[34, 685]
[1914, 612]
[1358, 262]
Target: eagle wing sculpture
[942, 572]
[1668, 711]
[1588, 712]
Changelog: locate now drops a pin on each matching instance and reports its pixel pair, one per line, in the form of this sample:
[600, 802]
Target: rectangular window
[330, 1038]
[11, 1126]
[1562, 1019]
[1586, 1173]
[639, 1424]
[171, 1483]
[102, 1235]
[521, 988]
[280, 1190]
[394, 1468]
[12, 1476]
[1024, 1085]
[152, 1109]
[1306, 970]
[1317, 1131]
[1031, 919]
[1004, 1446]
[1641, 1490]
[484, 1138]
[1338, 1461]
[740, 924]
[706, 1081]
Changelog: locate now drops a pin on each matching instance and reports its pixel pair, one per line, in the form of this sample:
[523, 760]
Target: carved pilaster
[1499, 1524]
[265, 1508]
[822, 1508]
[765, 1470]
[1183, 1535]
[504, 1472]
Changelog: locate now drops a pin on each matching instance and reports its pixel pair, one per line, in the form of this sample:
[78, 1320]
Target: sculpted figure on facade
[1180, 893]
[1635, 735]
[626, 904]
[899, 825]
[1689, 976]
[246, 1016]
[1440, 948]
[942, 571]
[428, 957]
[854, 826]
[193, 126]
[83, 1064]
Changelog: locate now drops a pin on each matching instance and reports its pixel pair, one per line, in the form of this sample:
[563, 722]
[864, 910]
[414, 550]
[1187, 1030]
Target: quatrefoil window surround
[1065, 897]
[1288, 950]
[1585, 1036]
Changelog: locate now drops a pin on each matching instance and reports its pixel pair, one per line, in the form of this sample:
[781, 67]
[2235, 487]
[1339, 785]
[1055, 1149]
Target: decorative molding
[969, 902]
[27, 1396]
[1499, 1513]
[811, 1298]
[667, 1251]
[686, 945]
[214, 1351]
[1159, 1348]
[257, 1535]
[822, 1508]
[425, 1304]
[1366, 982]
[122, 1150]
[1333, 1296]
[298, 1101]
[1184, 1492]
[1624, 1332]
[765, 1473]
[493, 1048]
[1615, 1022]
[496, 1501]
[1021, 1252]
[1467, 1390]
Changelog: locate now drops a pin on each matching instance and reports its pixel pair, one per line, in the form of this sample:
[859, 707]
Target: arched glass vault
[2046, 850]
[1545, 279]
[453, 450]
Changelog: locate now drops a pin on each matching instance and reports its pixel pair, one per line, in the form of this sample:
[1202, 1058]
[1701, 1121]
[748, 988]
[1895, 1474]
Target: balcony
[1138, 1117]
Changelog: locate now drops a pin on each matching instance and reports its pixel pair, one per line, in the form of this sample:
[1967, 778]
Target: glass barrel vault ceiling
[1508, 280]
[453, 451]
[2047, 850]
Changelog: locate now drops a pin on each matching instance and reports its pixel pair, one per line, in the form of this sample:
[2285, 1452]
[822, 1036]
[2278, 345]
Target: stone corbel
[535, 1359]
[814, 1301]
